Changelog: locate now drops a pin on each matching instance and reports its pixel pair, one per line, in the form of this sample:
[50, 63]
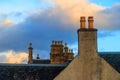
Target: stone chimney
[87, 37]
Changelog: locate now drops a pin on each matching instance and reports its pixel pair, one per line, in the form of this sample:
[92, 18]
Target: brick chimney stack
[87, 37]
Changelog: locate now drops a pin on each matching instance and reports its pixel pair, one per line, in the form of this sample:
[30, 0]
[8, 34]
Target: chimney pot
[82, 22]
[59, 42]
[90, 22]
[53, 42]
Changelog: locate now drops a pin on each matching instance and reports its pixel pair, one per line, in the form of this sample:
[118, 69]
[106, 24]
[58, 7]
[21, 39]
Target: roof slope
[30, 71]
[88, 67]
[113, 60]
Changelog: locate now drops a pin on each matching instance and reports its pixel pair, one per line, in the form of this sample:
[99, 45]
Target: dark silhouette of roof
[46, 71]
[41, 61]
[30, 71]
[112, 58]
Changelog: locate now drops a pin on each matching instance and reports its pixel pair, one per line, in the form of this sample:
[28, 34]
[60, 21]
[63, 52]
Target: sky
[41, 21]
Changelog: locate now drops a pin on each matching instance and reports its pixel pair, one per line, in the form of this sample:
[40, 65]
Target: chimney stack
[90, 22]
[82, 22]
[87, 36]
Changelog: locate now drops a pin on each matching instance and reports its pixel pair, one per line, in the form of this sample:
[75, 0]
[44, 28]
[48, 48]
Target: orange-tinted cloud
[6, 22]
[77, 8]
[14, 57]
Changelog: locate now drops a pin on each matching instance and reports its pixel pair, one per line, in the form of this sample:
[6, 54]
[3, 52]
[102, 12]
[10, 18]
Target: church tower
[30, 57]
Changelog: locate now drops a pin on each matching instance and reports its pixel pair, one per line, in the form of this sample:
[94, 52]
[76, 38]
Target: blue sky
[41, 21]
[106, 3]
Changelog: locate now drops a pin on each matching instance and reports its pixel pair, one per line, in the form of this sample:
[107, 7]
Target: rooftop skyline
[41, 21]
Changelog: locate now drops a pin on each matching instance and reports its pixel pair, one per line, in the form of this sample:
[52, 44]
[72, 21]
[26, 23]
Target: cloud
[17, 14]
[56, 23]
[40, 29]
[13, 57]
[108, 19]
[3, 17]
[2, 58]
[6, 22]
[12, 18]
[77, 8]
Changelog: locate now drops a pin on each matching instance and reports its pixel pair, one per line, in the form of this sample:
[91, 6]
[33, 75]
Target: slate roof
[30, 71]
[113, 58]
[46, 71]
[41, 61]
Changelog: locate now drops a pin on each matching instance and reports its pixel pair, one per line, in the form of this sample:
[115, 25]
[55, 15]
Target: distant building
[59, 54]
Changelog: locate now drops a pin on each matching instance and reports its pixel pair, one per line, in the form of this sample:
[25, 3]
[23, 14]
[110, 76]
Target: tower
[30, 57]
